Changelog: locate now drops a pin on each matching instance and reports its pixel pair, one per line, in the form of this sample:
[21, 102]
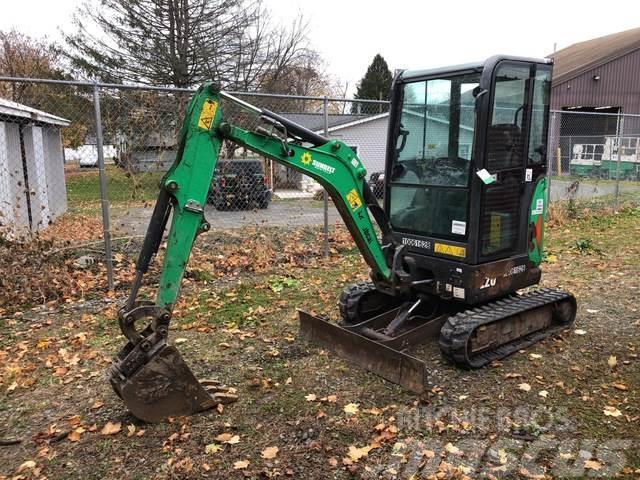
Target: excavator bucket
[158, 384]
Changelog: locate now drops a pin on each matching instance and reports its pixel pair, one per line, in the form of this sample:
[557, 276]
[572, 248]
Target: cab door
[501, 229]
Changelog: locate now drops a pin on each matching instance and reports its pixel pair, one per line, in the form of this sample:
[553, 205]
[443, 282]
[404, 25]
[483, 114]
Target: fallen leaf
[524, 386]
[269, 453]
[543, 393]
[311, 397]
[73, 436]
[611, 411]
[28, 465]
[590, 310]
[612, 362]
[620, 386]
[288, 381]
[452, 449]
[333, 461]
[12, 387]
[580, 332]
[241, 464]
[212, 448]
[178, 341]
[356, 454]
[73, 421]
[97, 404]
[131, 430]
[228, 438]
[111, 428]
[351, 408]
[592, 465]
[535, 356]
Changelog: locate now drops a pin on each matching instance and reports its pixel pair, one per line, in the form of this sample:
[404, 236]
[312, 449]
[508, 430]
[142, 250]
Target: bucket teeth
[164, 386]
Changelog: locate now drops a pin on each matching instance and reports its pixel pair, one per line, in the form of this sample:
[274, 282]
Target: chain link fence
[82, 162]
[594, 156]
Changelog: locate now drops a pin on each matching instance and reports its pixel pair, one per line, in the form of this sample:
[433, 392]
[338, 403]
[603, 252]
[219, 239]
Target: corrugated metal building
[601, 74]
[32, 185]
[596, 80]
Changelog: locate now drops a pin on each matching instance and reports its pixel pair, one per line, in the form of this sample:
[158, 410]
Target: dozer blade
[393, 365]
[163, 386]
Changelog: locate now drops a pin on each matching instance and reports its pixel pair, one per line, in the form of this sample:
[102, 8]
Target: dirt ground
[568, 407]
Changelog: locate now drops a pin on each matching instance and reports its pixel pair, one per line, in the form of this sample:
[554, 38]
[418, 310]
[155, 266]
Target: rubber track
[350, 300]
[457, 330]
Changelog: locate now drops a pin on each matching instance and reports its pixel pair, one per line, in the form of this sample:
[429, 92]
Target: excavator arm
[149, 374]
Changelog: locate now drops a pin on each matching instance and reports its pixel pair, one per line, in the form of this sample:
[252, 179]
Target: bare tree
[23, 56]
[182, 42]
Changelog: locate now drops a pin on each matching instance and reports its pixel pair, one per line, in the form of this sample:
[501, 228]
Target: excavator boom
[150, 375]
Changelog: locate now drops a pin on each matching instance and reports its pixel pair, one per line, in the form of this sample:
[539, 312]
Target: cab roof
[408, 75]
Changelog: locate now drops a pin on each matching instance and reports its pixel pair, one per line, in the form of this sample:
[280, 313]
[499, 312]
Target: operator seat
[504, 146]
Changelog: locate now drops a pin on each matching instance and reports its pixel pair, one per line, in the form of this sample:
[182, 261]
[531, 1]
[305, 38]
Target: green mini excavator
[459, 233]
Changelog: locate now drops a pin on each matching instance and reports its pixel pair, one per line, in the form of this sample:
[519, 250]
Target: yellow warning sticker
[452, 250]
[354, 200]
[208, 113]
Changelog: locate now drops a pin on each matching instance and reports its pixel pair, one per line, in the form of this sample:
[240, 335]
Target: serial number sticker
[207, 114]
[412, 242]
[452, 250]
[354, 200]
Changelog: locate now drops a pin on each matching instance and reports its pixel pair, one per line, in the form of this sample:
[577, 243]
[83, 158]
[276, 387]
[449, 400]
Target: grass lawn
[83, 186]
[567, 407]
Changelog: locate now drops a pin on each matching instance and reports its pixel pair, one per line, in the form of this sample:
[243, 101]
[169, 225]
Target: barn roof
[584, 56]
[14, 109]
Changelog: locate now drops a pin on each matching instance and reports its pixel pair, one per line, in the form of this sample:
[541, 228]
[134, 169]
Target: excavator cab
[465, 175]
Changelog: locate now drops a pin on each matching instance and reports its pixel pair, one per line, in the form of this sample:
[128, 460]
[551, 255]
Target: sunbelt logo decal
[307, 159]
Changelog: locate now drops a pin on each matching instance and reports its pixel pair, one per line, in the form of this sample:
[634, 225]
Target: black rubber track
[458, 329]
[349, 302]
[362, 301]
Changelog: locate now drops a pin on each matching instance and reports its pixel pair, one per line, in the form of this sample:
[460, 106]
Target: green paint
[334, 165]
[537, 215]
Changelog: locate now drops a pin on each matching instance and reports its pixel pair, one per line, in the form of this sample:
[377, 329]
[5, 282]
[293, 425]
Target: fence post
[104, 199]
[551, 138]
[620, 134]
[325, 198]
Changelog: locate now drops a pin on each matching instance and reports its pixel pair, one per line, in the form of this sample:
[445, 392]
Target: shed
[32, 184]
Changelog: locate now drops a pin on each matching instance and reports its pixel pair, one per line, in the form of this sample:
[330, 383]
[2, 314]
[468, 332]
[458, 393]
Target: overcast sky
[408, 33]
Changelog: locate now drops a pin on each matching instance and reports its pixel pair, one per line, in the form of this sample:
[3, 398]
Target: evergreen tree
[375, 85]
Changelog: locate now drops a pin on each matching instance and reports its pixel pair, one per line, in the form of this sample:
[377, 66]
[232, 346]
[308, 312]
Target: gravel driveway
[279, 214]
